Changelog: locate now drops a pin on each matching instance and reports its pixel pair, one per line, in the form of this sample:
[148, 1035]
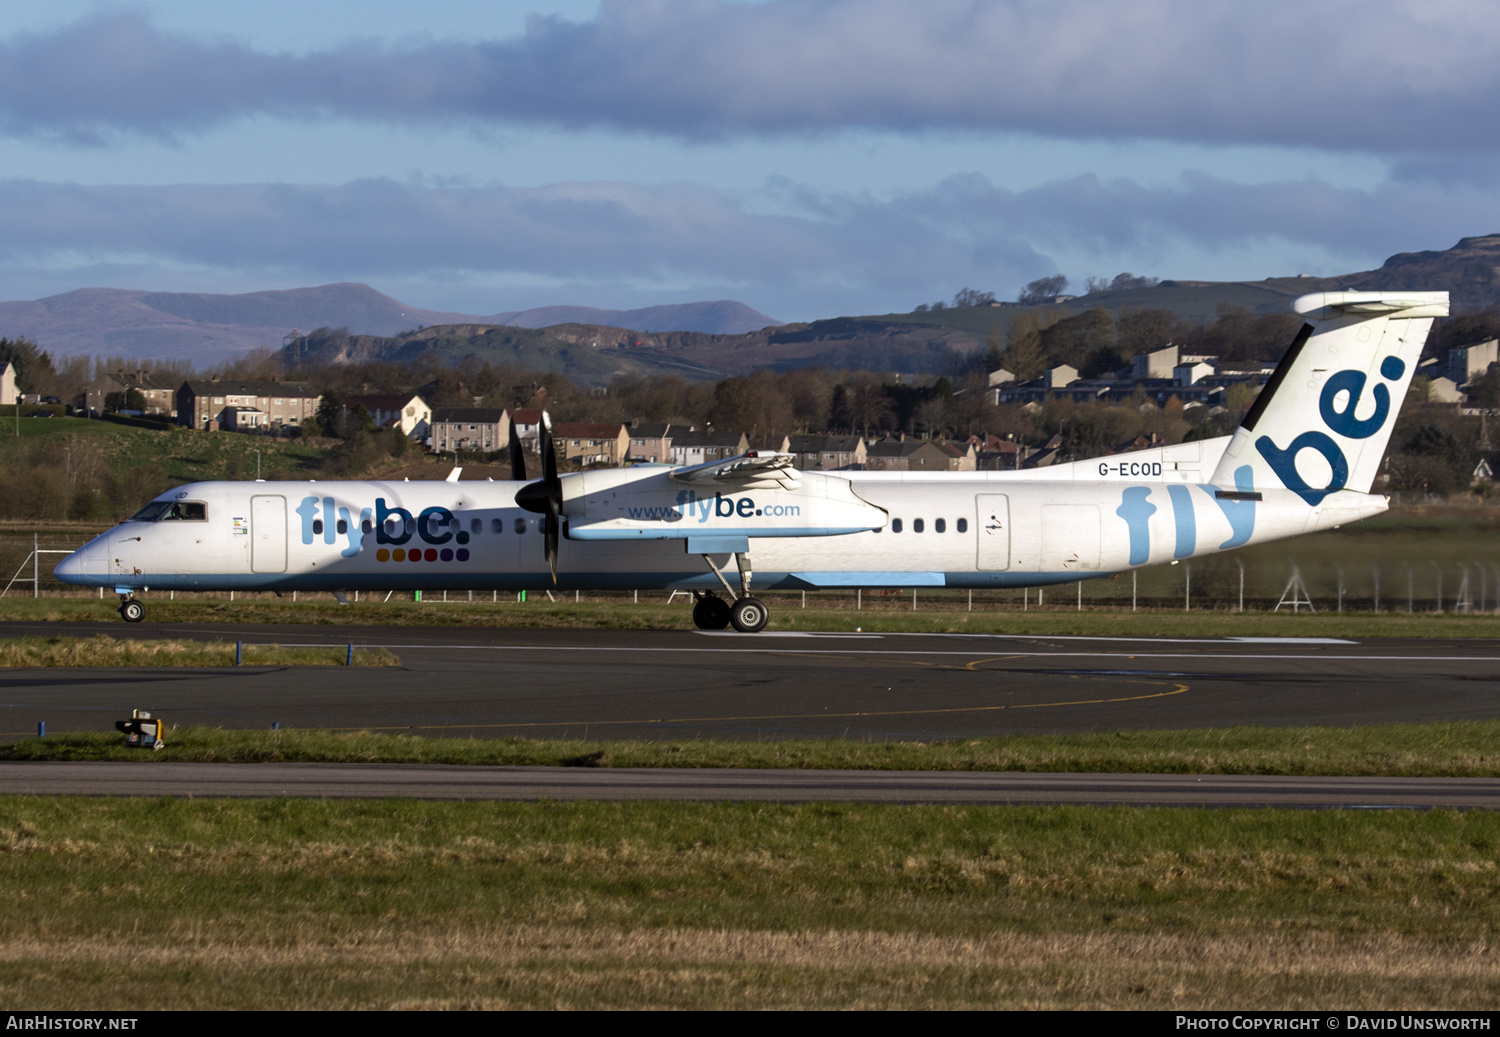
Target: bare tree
[1042, 289]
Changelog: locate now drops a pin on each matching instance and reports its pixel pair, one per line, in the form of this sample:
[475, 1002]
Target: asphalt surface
[364, 781]
[673, 684]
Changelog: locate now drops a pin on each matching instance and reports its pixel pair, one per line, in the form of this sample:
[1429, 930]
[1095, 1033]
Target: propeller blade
[549, 457]
[545, 495]
[517, 455]
[550, 529]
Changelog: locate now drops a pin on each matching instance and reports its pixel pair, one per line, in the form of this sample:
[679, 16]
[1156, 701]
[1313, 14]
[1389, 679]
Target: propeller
[545, 495]
[517, 456]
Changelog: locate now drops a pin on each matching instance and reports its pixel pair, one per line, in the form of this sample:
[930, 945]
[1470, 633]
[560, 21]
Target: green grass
[1460, 748]
[346, 904]
[937, 613]
[29, 652]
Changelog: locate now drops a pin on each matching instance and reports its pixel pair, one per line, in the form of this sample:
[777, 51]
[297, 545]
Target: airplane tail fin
[1322, 422]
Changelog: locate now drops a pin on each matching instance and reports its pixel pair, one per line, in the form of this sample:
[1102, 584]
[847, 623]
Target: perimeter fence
[1270, 578]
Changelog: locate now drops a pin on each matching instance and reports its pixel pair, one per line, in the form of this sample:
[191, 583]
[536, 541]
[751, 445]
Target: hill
[206, 329]
[594, 355]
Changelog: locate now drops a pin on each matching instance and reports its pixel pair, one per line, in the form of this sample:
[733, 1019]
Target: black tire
[132, 611]
[710, 613]
[749, 615]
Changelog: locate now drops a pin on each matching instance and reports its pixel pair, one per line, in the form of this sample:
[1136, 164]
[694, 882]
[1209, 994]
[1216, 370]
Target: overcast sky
[808, 158]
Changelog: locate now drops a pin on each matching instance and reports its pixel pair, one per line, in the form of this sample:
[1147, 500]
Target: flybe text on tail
[1322, 423]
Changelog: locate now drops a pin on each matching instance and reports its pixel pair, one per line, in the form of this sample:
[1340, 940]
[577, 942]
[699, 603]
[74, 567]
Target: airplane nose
[78, 566]
[70, 569]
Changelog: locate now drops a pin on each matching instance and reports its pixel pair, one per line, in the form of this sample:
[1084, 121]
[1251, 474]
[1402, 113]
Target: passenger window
[940, 525]
[476, 526]
[520, 525]
[963, 525]
[916, 525]
[895, 525]
[366, 526]
[497, 525]
[317, 527]
[343, 526]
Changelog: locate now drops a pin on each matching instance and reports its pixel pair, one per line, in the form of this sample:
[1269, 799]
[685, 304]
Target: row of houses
[1157, 376]
[613, 444]
[1202, 380]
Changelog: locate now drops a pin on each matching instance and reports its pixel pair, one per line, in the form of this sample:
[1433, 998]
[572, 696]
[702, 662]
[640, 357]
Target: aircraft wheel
[749, 615]
[710, 613]
[132, 611]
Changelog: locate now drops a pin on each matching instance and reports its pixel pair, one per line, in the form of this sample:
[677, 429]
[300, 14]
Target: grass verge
[30, 652]
[1457, 749]
[348, 904]
[785, 615]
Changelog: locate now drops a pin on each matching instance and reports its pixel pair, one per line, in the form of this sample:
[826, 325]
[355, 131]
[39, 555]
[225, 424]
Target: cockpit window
[151, 512]
[186, 511]
[172, 511]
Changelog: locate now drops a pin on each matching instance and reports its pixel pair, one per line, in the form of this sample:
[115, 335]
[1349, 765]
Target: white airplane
[1304, 459]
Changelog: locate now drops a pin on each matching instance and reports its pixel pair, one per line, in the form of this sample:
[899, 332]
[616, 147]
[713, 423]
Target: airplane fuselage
[1000, 529]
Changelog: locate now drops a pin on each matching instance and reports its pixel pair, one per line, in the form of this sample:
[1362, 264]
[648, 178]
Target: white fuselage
[986, 529]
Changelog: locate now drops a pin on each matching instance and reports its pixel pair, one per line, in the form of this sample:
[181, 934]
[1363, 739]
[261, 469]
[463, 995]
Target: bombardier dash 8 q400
[1303, 459]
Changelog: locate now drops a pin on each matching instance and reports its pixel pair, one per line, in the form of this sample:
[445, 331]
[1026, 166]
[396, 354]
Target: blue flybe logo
[324, 518]
[690, 506]
[1341, 422]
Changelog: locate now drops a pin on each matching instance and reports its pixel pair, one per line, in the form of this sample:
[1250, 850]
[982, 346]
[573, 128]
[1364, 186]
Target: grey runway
[466, 682]
[364, 781]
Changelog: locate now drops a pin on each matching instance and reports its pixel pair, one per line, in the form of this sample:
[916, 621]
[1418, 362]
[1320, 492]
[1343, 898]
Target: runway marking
[1406, 657]
[1175, 690]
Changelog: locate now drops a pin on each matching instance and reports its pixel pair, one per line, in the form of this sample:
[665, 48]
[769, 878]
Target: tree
[1023, 352]
[1042, 289]
[129, 399]
[1142, 331]
[970, 297]
[1074, 340]
[328, 416]
[33, 365]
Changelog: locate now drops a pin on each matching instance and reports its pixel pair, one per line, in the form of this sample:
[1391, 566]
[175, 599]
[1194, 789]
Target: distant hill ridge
[207, 328]
[696, 340]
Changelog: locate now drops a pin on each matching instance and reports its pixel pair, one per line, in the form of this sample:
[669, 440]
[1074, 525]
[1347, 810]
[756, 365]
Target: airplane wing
[760, 469]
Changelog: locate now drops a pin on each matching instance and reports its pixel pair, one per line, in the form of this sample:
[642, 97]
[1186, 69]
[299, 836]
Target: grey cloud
[1381, 75]
[833, 253]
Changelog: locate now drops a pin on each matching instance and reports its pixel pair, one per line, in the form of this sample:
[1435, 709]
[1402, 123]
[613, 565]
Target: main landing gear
[131, 610]
[747, 615]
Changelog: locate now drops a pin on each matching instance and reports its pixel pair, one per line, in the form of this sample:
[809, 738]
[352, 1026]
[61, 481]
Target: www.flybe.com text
[690, 505]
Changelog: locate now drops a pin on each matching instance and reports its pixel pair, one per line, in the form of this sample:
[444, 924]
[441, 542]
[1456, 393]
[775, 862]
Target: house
[406, 411]
[592, 442]
[108, 391]
[826, 452]
[921, 455]
[1467, 362]
[469, 428]
[695, 447]
[527, 420]
[203, 404]
[7, 383]
[651, 441]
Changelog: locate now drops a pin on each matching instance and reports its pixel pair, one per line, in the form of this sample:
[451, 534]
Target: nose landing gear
[131, 610]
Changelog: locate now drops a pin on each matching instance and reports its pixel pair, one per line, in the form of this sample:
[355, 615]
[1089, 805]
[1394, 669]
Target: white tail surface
[1323, 421]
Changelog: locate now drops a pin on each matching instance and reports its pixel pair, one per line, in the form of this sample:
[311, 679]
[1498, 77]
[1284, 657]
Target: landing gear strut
[131, 610]
[747, 615]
